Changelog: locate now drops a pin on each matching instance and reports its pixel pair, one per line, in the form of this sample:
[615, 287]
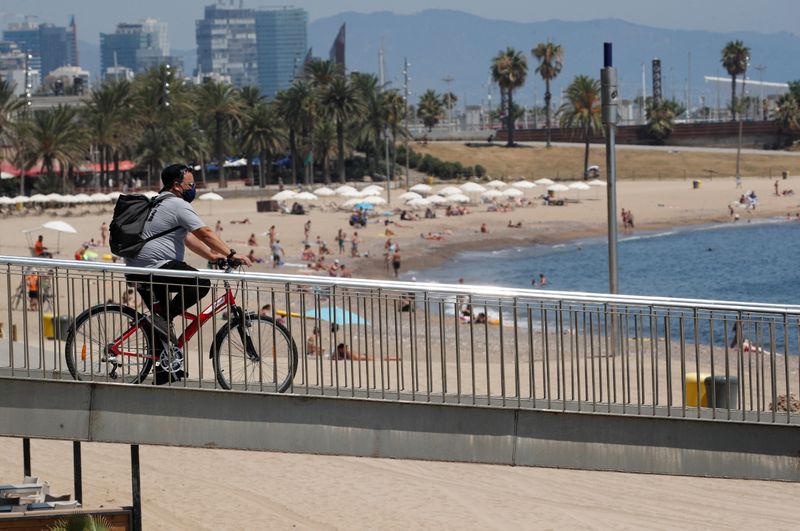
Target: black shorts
[33, 294]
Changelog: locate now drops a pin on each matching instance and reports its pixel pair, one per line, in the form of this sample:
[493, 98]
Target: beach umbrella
[83, 198]
[350, 193]
[492, 194]
[39, 198]
[557, 188]
[596, 182]
[98, 198]
[284, 195]
[577, 185]
[56, 198]
[513, 192]
[544, 181]
[408, 196]
[306, 196]
[6, 200]
[496, 184]
[436, 199]
[471, 187]
[458, 198]
[373, 189]
[419, 202]
[210, 196]
[60, 226]
[336, 315]
[374, 200]
[21, 199]
[523, 184]
[354, 202]
[324, 192]
[421, 188]
[449, 190]
[344, 188]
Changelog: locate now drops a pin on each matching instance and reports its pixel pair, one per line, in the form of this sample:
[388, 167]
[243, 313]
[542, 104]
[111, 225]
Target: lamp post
[610, 100]
[406, 94]
[760, 69]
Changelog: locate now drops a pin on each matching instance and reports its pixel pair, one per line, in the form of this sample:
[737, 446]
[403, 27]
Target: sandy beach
[217, 489]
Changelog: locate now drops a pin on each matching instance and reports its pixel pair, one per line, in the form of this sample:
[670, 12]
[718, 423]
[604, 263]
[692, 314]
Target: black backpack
[130, 214]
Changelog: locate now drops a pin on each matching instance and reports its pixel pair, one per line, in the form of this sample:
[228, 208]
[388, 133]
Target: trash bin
[696, 184]
[785, 174]
[48, 329]
[722, 392]
[61, 326]
[692, 389]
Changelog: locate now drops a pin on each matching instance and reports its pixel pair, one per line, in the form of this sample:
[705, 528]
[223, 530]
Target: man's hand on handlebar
[242, 259]
[234, 262]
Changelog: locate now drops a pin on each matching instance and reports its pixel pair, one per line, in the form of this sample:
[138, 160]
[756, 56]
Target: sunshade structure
[496, 184]
[436, 199]
[449, 190]
[544, 182]
[7, 201]
[492, 194]
[344, 188]
[472, 188]
[523, 184]
[350, 193]
[408, 196]
[210, 196]
[21, 199]
[305, 196]
[373, 189]
[374, 200]
[83, 198]
[357, 202]
[579, 186]
[336, 315]
[55, 198]
[57, 226]
[458, 198]
[419, 203]
[513, 192]
[557, 188]
[324, 192]
[98, 197]
[421, 188]
[40, 198]
[238, 163]
[6, 175]
[284, 195]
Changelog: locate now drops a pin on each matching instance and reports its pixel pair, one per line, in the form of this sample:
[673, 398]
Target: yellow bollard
[692, 384]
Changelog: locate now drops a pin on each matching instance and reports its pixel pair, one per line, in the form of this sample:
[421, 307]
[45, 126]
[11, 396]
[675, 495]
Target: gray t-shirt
[171, 212]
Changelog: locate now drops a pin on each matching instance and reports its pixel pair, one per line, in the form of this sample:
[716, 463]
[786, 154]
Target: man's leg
[188, 291]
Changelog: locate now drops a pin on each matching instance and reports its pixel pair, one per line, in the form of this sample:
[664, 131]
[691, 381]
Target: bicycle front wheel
[89, 339]
[258, 354]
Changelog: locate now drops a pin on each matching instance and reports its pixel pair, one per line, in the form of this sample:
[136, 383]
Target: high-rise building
[337, 53]
[282, 43]
[16, 68]
[138, 47]
[51, 46]
[226, 43]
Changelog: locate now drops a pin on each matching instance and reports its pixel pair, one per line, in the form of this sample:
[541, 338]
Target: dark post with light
[610, 99]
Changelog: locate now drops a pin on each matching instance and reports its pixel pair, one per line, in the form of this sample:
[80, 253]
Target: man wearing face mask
[173, 210]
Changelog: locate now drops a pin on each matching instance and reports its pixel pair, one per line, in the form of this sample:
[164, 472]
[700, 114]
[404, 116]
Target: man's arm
[201, 249]
[207, 236]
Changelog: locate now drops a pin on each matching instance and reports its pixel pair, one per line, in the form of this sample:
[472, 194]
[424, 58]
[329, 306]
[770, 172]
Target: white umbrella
[56, 198]
[419, 202]
[6, 175]
[83, 198]
[577, 185]
[458, 198]
[39, 198]
[306, 196]
[449, 190]
[492, 194]
[235, 163]
[513, 192]
[374, 200]
[324, 192]
[60, 226]
[284, 195]
[496, 184]
[99, 198]
[344, 188]
[408, 196]
[353, 202]
[21, 199]
[210, 196]
[557, 188]
[421, 188]
[596, 182]
[523, 184]
[436, 199]
[471, 187]
[350, 193]
[6, 200]
[372, 188]
[366, 192]
[544, 181]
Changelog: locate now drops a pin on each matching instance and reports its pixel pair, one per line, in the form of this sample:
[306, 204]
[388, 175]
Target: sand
[215, 489]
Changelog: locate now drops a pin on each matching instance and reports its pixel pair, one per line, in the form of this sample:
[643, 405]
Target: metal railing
[418, 342]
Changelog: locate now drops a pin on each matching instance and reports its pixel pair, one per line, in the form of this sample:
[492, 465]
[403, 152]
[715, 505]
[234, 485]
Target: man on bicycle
[167, 252]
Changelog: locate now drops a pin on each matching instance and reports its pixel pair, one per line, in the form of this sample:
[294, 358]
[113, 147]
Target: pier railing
[385, 340]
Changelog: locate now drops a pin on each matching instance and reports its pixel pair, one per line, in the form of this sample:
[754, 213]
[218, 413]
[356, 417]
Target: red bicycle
[115, 342]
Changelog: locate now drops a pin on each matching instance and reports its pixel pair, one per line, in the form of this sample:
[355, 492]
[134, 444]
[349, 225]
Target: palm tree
[509, 69]
[107, 117]
[581, 111]
[449, 101]
[550, 57]
[340, 102]
[220, 101]
[57, 137]
[660, 118]
[325, 136]
[735, 56]
[787, 115]
[157, 148]
[250, 97]
[296, 106]
[372, 124]
[395, 117]
[262, 134]
[429, 109]
[321, 72]
[10, 105]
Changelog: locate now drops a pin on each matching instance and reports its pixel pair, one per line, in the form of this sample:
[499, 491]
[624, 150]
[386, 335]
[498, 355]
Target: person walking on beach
[218, 228]
[354, 241]
[306, 231]
[277, 253]
[104, 233]
[341, 237]
[271, 233]
[396, 262]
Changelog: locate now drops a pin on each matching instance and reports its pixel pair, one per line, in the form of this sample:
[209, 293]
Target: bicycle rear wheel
[89, 338]
[256, 355]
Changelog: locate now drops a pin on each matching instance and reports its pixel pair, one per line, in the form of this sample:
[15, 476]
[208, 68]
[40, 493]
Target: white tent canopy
[210, 196]
[544, 181]
[21, 199]
[513, 192]
[372, 188]
[306, 196]
[284, 195]
[458, 198]
[449, 190]
[558, 188]
[523, 184]
[324, 192]
[344, 188]
[496, 184]
[39, 198]
[492, 194]
[99, 198]
[421, 188]
[374, 200]
[60, 226]
[577, 185]
[419, 202]
[471, 187]
[436, 199]
[7, 200]
[408, 196]
[366, 192]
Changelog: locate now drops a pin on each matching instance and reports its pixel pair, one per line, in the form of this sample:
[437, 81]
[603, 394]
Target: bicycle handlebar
[228, 264]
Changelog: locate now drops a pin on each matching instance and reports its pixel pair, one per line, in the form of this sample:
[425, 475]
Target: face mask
[188, 195]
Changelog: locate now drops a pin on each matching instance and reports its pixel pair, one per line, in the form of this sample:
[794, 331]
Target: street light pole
[610, 100]
[761, 69]
[405, 98]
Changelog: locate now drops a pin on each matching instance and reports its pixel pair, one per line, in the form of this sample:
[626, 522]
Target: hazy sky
[95, 16]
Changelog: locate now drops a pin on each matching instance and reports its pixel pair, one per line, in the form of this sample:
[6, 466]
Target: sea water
[748, 262]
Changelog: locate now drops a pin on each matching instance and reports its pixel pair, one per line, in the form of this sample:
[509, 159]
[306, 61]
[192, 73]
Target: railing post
[136, 488]
[77, 471]
[26, 456]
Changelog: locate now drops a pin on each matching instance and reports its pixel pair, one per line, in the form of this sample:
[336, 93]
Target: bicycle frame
[196, 322]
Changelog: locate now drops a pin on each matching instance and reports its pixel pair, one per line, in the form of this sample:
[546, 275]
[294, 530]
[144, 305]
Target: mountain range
[443, 44]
